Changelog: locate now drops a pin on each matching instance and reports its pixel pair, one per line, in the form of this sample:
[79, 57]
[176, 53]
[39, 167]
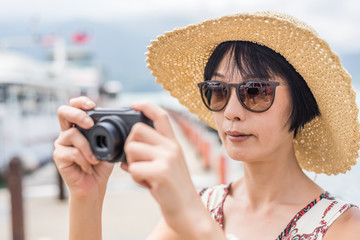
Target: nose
[234, 110]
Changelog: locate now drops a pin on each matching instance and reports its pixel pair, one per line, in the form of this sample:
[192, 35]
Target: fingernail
[94, 159]
[89, 104]
[134, 105]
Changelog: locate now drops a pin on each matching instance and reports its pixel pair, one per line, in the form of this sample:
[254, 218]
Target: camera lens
[101, 141]
[107, 138]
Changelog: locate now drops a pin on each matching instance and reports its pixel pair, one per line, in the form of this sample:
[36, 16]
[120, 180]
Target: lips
[236, 136]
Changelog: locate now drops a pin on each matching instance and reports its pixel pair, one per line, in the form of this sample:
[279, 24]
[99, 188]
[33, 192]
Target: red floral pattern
[291, 232]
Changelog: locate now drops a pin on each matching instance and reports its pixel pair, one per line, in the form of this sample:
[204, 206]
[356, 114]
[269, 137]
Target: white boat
[30, 93]
[29, 97]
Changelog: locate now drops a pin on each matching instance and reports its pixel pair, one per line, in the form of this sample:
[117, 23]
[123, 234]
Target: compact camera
[111, 128]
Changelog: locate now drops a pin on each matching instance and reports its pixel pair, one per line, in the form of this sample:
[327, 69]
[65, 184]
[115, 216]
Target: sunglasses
[254, 95]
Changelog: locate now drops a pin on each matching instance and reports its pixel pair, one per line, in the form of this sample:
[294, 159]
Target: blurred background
[51, 51]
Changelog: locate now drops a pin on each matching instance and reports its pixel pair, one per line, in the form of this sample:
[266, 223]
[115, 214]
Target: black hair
[257, 61]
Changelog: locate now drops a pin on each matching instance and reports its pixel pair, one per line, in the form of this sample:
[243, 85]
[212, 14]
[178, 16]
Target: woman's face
[249, 136]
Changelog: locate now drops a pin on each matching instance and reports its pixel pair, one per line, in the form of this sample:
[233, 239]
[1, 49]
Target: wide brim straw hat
[328, 144]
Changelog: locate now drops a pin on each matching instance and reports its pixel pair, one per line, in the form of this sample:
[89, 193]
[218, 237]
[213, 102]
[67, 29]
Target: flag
[80, 38]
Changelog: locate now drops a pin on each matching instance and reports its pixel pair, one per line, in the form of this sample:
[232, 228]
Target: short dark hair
[257, 61]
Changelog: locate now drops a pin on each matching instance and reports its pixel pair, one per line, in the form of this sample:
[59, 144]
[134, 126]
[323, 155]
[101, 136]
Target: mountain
[120, 46]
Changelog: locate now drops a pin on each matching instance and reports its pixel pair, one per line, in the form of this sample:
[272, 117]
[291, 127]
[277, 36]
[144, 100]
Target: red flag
[80, 38]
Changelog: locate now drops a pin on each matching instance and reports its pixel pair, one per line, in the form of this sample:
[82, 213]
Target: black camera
[111, 128]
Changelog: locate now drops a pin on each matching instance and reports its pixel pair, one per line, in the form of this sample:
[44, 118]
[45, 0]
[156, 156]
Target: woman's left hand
[155, 160]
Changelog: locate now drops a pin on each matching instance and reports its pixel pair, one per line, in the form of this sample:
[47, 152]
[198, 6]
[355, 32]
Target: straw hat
[329, 143]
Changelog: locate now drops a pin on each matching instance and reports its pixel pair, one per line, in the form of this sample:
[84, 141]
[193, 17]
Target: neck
[264, 184]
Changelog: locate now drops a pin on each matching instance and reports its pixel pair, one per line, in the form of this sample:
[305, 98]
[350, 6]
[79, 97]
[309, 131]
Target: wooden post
[14, 182]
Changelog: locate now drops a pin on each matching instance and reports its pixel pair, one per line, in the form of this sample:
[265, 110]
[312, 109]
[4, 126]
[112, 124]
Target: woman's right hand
[82, 172]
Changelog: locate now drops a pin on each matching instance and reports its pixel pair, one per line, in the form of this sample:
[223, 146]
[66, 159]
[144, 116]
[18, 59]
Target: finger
[159, 117]
[82, 102]
[153, 172]
[138, 151]
[104, 168]
[65, 157]
[68, 116]
[124, 166]
[139, 171]
[140, 132]
[73, 138]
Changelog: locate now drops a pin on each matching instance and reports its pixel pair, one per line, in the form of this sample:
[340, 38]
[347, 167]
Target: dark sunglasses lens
[256, 96]
[214, 95]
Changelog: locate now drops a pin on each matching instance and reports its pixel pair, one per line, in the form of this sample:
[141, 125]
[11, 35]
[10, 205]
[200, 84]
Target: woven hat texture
[328, 144]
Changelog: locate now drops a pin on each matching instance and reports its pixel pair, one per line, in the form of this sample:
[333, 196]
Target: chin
[237, 154]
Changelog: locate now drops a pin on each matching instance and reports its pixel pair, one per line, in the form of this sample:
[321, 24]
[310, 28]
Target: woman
[310, 123]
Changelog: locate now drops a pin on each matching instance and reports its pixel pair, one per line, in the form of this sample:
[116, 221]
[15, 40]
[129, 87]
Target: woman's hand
[155, 160]
[82, 172]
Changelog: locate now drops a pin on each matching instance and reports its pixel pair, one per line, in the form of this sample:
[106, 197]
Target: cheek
[284, 110]
[274, 128]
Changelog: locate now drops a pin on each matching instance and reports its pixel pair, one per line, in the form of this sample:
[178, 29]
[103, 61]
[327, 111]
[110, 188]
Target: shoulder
[346, 226]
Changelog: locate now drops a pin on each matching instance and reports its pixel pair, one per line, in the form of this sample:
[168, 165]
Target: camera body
[111, 128]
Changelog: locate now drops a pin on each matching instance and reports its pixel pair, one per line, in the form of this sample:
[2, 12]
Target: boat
[29, 97]
[31, 91]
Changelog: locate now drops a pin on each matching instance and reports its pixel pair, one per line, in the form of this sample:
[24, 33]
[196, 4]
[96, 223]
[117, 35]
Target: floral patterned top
[310, 223]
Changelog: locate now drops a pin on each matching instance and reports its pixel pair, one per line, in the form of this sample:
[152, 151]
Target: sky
[337, 21]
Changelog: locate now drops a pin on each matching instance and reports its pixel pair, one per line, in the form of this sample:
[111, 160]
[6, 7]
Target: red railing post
[222, 169]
